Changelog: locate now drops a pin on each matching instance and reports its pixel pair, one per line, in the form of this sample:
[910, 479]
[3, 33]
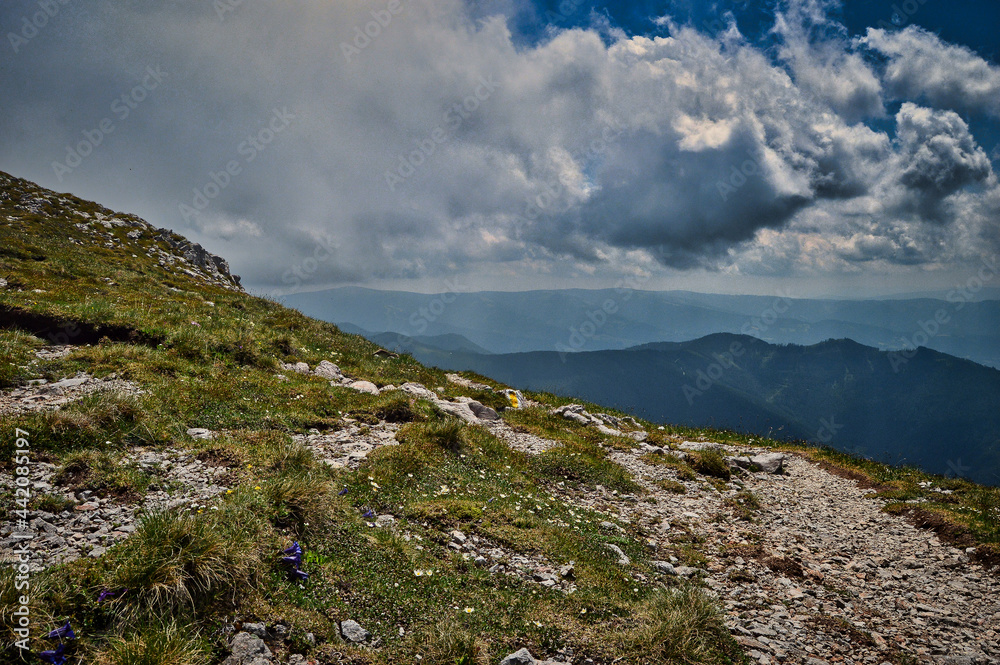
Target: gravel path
[821, 574]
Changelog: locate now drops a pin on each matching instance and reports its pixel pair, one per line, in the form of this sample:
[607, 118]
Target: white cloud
[920, 66]
[589, 149]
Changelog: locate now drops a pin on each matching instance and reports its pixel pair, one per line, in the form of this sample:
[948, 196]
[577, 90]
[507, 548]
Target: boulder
[353, 632]
[701, 446]
[519, 657]
[248, 649]
[418, 390]
[665, 567]
[770, 462]
[364, 387]
[328, 370]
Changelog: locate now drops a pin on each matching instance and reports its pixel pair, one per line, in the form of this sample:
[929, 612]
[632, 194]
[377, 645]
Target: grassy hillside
[201, 353]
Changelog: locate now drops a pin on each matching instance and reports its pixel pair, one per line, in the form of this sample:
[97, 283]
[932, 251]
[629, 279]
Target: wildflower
[229, 491]
[256, 487]
[195, 323]
[469, 610]
[64, 632]
[369, 514]
[538, 624]
[342, 492]
[55, 656]
[299, 575]
[418, 573]
[104, 595]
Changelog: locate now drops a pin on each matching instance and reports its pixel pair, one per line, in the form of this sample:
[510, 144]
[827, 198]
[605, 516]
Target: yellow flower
[256, 487]
[229, 491]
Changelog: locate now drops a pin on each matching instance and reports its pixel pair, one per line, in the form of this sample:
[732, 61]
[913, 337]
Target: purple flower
[54, 656]
[294, 549]
[110, 594]
[342, 492]
[64, 632]
[369, 513]
[299, 575]
[295, 560]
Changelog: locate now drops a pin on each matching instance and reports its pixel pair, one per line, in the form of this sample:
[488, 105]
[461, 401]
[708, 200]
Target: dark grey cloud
[322, 143]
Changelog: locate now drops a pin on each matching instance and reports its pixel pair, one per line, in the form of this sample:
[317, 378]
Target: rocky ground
[816, 574]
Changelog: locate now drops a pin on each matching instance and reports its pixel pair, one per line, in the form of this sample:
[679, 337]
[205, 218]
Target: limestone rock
[353, 632]
[248, 649]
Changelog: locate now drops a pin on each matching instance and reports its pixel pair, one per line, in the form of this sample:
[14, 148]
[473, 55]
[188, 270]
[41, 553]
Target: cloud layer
[358, 140]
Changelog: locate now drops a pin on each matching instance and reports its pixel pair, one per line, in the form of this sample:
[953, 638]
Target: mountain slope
[196, 475]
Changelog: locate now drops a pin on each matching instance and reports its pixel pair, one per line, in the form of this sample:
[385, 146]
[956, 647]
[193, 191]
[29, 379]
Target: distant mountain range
[930, 409]
[585, 320]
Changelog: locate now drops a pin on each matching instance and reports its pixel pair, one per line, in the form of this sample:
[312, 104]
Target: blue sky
[808, 146]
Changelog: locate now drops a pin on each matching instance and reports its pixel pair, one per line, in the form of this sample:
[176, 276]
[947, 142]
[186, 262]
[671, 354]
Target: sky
[803, 147]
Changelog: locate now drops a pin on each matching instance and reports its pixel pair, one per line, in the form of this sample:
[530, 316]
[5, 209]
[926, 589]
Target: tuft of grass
[51, 503]
[448, 642]
[103, 473]
[672, 486]
[745, 505]
[682, 625]
[710, 463]
[154, 645]
[174, 562]
[15, 352]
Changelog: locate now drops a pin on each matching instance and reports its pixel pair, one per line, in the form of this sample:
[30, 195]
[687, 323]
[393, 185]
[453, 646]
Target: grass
[188, 572]
[155, 645]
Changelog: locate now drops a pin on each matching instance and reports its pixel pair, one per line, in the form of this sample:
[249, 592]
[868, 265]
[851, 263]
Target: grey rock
[248, 649]
[519, 657]
[770, 462]
[297, 659]
[699, 446]
[665, 567]
[418, 390]
[458, 537]
[623, 560]
[364, 387]
[257, 629]
[200, 433]
[483, 412]
[328, 370]
[385, 522]
[686, 571]
[353, 632]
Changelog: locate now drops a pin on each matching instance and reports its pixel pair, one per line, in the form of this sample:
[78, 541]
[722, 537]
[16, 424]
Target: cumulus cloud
[920, 66]
[431, 141]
